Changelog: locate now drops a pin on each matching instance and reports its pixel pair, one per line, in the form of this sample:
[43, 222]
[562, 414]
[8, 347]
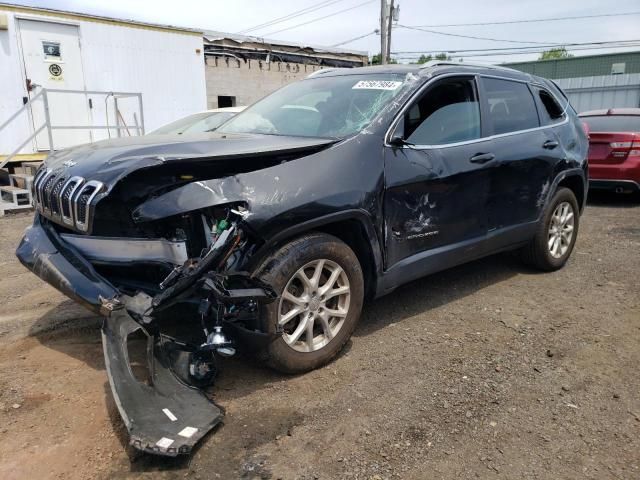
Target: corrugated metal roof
[213, 36]
[582, 66]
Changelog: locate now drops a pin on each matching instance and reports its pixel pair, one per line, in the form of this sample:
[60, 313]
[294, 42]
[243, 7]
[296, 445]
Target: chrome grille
[65, 199]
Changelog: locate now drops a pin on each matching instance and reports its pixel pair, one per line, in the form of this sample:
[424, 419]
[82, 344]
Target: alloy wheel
[313, 305]
[561, 230]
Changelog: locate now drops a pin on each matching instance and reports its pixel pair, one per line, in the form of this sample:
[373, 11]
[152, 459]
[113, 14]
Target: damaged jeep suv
[268, 234]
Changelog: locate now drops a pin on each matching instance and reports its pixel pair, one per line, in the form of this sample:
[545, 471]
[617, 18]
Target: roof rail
[322, 71]
[437, 63]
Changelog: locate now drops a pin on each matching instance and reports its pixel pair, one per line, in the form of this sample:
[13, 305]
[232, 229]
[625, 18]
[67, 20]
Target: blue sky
[362, 18]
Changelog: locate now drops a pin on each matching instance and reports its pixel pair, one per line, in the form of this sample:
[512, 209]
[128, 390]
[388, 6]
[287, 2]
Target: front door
[437, 172]
[51, 57]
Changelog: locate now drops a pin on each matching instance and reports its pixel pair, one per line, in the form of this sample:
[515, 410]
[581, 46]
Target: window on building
[447, 113]
[225, 101]
[511, 105]
[51, 50]
[618, 68]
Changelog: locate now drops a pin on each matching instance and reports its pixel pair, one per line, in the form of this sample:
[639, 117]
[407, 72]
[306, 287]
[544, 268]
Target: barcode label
[376, 85]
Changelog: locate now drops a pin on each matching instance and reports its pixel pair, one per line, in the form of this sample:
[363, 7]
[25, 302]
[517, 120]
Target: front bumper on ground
[165, 416]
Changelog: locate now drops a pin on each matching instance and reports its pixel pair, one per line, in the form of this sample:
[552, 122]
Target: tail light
[585, 127]
[624, 149]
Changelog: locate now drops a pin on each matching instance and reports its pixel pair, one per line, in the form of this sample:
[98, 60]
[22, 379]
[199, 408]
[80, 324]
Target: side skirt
[441, 258]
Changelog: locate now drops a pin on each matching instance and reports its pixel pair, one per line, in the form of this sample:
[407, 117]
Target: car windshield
[196, 123]
[613, 123]
[333, 107]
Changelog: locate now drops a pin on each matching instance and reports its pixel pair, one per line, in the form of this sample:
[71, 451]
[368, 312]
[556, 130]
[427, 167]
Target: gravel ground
[488, 370]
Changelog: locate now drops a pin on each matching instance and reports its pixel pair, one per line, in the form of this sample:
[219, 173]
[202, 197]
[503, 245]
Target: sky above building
[333, 22]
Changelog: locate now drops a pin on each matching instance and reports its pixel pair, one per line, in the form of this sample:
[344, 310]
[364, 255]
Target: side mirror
[397, 137]
[397, 141]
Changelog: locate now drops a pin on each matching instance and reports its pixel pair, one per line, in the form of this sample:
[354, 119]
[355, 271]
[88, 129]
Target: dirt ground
[488, 370]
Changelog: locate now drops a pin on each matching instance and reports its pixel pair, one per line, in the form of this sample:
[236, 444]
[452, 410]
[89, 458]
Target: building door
[51, 57]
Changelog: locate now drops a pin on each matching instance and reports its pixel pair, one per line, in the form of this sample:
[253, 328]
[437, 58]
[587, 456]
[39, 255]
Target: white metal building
[57, 50]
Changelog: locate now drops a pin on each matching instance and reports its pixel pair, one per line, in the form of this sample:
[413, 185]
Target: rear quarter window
[550, 110]
[511, 106]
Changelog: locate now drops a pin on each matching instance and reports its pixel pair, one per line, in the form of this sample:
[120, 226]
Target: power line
[467, 36]
[319, 18]
[606, 44]
[473, 54]
[355, 38]
[528, 21]
[289, 16]
[542, 51]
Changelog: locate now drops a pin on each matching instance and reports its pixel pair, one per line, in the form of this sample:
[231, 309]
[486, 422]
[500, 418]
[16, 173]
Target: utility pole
[384, 24]
[390, 16]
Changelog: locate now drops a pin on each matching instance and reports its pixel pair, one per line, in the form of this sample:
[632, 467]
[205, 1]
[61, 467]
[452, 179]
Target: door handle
[550, 144]
[482, 158]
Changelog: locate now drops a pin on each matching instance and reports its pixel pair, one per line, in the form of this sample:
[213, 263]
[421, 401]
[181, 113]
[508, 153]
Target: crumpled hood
[109, 160]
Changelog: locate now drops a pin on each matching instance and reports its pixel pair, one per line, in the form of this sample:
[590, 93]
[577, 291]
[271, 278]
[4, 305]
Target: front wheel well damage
[353, 233]
[350, 231]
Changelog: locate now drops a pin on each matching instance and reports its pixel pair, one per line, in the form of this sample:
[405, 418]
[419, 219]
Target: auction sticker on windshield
[377, 85]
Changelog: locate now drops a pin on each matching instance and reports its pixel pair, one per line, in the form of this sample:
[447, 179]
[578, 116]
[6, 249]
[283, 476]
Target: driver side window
[449, 112]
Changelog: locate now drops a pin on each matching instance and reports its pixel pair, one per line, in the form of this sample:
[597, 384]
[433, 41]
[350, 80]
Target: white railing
[44, 94]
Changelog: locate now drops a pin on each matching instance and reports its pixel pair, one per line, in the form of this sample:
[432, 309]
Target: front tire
[320, 292]
[556, 234]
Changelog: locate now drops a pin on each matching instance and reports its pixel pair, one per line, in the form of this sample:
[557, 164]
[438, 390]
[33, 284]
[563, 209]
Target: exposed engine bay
[144, 268]
[167, 413]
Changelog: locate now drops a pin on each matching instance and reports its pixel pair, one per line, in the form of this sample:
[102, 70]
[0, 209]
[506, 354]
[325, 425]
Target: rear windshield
[613, 123]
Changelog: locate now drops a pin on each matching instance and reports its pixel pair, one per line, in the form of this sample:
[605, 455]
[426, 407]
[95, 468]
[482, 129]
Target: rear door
[525, 154]
[435, 191]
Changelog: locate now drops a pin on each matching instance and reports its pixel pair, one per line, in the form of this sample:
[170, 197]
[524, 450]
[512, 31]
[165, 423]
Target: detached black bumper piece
[165, 417]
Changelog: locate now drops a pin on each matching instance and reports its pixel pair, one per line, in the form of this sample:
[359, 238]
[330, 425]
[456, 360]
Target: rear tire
[556, 233]
[318, 315]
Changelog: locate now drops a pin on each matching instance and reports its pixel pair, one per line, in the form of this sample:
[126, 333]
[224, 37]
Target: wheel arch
[573, 180]
[576, 185]
[353, 227]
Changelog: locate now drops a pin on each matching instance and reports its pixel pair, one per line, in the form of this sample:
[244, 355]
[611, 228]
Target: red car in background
[614, 149]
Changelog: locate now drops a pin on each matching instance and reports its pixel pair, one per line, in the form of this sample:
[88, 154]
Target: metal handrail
[20, 110]
[139, 126]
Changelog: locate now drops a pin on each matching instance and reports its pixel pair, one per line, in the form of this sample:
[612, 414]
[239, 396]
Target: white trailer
[159, 68]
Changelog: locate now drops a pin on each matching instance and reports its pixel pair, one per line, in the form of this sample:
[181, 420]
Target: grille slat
[54, 196]
[46, 192]
[69, 200]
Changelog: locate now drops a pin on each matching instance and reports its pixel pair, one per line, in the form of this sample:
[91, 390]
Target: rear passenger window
[511, 106]
[449, 112]
[551, 111]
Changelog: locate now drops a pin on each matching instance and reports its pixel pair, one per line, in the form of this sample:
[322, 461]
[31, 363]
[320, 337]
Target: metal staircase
[17, 195]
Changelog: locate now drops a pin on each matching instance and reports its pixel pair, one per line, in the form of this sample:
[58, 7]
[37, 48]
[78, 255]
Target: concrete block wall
[249, 80]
